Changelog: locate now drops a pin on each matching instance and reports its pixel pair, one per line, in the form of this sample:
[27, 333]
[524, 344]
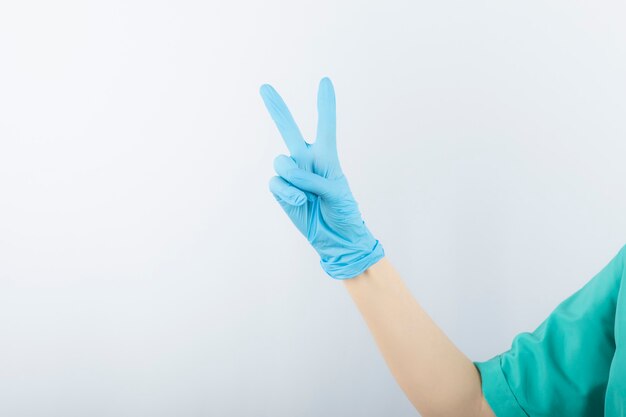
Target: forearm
[436, 377]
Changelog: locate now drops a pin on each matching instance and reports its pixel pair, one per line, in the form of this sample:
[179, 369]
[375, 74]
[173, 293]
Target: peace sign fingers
[283, 119]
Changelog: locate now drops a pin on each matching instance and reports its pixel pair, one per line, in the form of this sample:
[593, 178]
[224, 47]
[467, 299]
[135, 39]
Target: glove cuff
[349, 267]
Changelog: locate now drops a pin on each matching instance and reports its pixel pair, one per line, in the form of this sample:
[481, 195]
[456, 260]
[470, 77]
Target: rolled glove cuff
[345, 266]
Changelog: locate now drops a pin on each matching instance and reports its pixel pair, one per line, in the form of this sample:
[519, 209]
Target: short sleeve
[562, 368]
[497, 391]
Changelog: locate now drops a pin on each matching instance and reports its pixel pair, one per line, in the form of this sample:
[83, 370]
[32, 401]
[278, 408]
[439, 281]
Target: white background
[146, 270]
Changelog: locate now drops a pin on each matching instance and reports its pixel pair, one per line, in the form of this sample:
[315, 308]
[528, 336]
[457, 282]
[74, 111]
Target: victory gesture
[313, 191]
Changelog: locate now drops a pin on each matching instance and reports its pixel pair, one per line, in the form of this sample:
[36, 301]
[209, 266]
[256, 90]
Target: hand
[313, 191]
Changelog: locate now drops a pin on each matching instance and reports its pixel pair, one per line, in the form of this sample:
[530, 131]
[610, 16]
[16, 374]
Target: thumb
[287, 168]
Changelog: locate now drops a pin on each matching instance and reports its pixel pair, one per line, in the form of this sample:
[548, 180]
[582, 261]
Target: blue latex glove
[313, 191]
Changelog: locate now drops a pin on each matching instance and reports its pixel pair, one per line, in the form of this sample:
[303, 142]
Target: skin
[438, 378]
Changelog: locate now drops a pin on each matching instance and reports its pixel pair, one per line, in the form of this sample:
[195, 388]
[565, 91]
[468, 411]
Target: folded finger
[283, 191]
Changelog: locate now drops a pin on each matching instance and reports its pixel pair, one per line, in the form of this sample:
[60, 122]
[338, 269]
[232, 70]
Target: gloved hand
[313, 191]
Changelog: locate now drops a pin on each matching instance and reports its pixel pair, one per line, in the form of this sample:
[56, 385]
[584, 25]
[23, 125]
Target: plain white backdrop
[146, 270]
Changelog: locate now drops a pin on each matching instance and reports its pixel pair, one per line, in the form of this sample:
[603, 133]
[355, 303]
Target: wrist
[352, 264]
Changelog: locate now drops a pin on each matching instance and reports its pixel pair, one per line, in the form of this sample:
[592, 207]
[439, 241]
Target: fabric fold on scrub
[574, 363]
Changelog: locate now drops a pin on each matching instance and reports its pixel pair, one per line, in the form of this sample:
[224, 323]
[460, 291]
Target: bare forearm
[436, 377]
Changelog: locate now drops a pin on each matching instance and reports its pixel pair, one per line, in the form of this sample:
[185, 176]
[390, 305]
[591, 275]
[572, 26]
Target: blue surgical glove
[313, 191]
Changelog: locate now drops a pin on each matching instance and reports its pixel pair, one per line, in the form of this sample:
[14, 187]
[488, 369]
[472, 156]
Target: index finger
[283, 119]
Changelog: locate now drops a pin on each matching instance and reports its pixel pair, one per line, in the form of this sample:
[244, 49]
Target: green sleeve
[562, 368]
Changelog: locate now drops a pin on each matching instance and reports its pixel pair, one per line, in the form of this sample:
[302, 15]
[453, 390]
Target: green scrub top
[574, 363]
